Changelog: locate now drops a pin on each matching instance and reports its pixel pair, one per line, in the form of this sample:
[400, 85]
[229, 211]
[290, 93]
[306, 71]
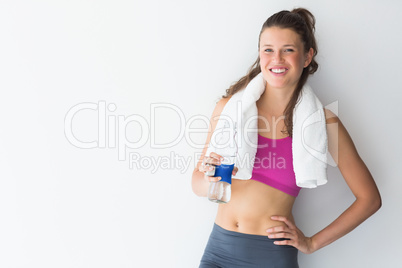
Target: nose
[277, 57]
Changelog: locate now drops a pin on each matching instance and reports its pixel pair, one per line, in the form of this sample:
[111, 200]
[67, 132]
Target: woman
[256, 228]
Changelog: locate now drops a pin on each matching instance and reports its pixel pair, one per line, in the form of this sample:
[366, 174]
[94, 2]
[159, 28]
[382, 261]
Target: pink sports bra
[273, 165]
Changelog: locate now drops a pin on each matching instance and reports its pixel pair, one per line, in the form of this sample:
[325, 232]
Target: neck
[274, 100]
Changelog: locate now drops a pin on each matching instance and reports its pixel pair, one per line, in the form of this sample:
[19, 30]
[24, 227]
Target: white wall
[66, 206]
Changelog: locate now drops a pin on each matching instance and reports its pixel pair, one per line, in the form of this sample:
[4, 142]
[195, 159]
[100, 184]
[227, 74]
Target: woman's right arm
[200, 181]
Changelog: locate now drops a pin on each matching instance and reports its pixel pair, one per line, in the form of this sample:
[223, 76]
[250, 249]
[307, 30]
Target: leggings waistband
[221, 230]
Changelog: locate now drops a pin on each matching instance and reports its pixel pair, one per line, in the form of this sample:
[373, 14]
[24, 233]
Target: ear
[309, 57]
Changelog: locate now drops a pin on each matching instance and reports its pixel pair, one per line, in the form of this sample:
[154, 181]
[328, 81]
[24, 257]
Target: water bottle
[220, 191]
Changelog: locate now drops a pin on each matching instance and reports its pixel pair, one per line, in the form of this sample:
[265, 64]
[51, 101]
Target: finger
[214, 158]
[215, 155]
[212, 179]
[235, 169]
[210, 172]
[212, 161]
[278, 229]
[284, 243]
[281, 235]
[283, 219]
[205, 168]
[284, 236]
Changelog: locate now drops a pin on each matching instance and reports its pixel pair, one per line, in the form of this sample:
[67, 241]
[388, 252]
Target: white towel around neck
[309, 141]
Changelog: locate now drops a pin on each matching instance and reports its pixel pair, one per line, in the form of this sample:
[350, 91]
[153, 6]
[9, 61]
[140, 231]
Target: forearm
[199, 184]
[357, 213]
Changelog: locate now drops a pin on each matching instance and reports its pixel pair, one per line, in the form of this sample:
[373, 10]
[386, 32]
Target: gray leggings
[228, 249]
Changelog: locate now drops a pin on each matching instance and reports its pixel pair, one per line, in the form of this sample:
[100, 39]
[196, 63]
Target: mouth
[278, 70]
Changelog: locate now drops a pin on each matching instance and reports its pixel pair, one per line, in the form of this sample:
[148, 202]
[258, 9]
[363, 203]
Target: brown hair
[302, 22]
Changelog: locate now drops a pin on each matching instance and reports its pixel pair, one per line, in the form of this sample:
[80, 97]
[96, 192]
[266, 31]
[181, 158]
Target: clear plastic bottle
[220, 191]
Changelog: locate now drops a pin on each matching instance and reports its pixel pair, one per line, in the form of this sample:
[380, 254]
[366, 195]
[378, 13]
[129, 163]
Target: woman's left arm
[360, 182]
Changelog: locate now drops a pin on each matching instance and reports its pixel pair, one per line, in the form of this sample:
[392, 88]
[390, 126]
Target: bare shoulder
[219, 106]
[335, 126]
[217, 111]
[338, 138]
[330, 117]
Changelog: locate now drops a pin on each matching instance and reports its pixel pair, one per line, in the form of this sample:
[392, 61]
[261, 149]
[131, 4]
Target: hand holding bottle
[209, 164]
[218, 171]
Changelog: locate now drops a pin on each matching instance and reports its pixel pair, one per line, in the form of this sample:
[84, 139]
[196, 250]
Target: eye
[269, 50]
[289, 50]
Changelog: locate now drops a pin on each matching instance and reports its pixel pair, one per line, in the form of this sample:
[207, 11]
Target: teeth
[278, 71]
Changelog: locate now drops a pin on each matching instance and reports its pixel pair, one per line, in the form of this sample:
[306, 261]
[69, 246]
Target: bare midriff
[251, 206]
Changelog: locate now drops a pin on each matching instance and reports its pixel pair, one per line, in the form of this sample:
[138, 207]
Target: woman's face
[282, 57]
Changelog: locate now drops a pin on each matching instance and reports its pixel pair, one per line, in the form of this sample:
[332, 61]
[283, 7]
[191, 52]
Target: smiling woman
[282, 58]
[256, 228]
